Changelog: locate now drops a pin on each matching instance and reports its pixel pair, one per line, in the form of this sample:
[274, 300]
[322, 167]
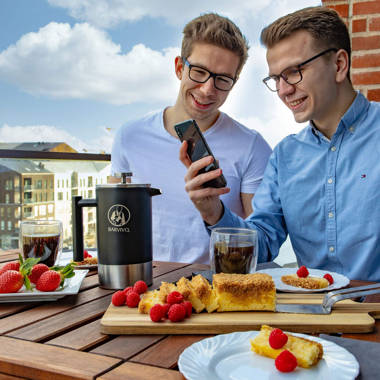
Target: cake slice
[308, 282]
[205, 292]
[235, 292]
[185, 287]
[152, 297]
[307, 352]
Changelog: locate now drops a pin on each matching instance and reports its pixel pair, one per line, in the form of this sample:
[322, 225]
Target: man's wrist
[210, 220]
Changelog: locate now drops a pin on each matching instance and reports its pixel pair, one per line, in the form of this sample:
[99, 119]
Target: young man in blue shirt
[322, 185]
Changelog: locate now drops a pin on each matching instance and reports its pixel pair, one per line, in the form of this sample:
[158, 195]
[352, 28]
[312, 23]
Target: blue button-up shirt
[326, 195]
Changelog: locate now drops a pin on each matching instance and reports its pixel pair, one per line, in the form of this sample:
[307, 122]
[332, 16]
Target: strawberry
[174, 297]
[140, 287]
[86, 254]
[286, 361]
[157, 312]
[11, 281]
[177, 312]
[13, 265]
[302, 271]
[329, 278]
[277, 338]
[118, 298]
[49, 281]
[36, 272]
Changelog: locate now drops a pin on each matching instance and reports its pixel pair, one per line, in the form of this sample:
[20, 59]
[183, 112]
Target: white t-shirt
[146, 149]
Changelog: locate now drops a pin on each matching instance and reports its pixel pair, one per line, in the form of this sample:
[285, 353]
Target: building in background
[39, 147]
[363, 20]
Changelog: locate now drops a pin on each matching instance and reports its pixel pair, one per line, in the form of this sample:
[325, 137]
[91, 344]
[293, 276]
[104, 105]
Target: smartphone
[197, 148]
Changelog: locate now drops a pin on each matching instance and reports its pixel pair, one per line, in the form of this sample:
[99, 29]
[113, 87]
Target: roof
[32, 146]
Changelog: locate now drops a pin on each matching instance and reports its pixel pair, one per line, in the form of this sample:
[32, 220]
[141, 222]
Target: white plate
[71, 286]
[67, 256]
[340, 281]
[229, 357]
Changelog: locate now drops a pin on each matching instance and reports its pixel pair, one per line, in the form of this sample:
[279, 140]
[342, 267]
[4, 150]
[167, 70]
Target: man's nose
[208, 86]
[284, 88]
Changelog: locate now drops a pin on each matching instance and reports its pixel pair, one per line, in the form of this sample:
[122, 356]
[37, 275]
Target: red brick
[359, 25]
[366, 8]
[365, 43]
[374, 95]
[367, 60]
[366, 78]
[342, 9]
[374, 24]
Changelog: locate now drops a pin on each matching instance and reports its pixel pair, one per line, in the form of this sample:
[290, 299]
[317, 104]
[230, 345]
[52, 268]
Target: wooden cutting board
[347, 316]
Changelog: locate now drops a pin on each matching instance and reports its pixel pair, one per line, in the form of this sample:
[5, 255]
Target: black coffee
[45, 247]
[233, 259]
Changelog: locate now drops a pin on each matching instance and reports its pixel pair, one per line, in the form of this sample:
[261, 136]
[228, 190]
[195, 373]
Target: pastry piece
[308, 282]
[152, 297]
[237, 292]
[307, 352]
[205, 292]
[185, 287]
[86, 261]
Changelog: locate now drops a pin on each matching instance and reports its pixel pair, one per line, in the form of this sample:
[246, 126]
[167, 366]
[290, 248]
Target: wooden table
[62, 339]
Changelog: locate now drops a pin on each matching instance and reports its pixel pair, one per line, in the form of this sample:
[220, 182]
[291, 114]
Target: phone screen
[197, 148]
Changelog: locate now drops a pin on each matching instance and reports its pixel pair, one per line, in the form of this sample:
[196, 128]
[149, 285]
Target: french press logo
[118, 216]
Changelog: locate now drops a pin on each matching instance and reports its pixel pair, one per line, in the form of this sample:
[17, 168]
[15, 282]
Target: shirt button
[333, 148]
[330, 180]
[331, 214]
[331, 249]
[351, 129]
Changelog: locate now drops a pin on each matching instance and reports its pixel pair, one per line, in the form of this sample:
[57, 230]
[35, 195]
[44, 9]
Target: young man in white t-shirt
[213, 53]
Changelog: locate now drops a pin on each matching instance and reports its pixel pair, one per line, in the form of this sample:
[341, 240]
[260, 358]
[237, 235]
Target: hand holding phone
[197, 148]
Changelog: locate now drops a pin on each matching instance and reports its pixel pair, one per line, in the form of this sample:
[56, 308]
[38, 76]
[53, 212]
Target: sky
[75, 71]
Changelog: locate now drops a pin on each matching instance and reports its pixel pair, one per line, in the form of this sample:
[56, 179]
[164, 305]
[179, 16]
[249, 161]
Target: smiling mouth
[297, 102]
[199, 104]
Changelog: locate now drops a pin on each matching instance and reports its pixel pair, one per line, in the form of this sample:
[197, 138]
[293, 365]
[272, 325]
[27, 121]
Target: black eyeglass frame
[276, 78]
[211, 75]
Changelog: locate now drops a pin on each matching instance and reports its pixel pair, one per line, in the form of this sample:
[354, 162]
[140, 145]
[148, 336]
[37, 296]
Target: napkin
[366, 353]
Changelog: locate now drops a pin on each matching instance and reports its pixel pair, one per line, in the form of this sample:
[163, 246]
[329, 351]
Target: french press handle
[77, 204]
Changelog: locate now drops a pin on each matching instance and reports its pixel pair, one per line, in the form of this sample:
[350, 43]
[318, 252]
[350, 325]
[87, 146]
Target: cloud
[82, 62]
[109, 13]
[46, 133]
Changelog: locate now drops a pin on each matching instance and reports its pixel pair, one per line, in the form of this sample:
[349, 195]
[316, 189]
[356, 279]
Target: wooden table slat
[125, 347]
[40, 361]
[133, 371]
[173, 346]
[49, 309]
[62, 322]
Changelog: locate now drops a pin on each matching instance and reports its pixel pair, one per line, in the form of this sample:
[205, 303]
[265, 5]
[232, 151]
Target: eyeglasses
[202, 75]
[291, 75]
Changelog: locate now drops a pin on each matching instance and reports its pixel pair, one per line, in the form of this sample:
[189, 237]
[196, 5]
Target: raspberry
[177, 312]
[118, 298]
[133, 299]
[286, 361]
[302, 271]
[174, 297]
[329, 278]
[166, 307]
[140, 287]
[127, 290]
[188, 307]
[157, 312]
[277, 338]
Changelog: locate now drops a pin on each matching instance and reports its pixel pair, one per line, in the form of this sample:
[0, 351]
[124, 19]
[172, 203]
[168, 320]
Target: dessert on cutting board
[229, 292]
[302, 279]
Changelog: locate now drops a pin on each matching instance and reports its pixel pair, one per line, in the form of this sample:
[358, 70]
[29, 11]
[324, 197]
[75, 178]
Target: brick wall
[363, 20]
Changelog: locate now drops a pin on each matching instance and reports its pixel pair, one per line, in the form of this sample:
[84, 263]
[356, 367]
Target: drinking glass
[41, 238]
[233, 250]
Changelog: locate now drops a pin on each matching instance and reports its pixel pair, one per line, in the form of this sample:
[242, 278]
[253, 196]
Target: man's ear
[342, 65]
[178, 62]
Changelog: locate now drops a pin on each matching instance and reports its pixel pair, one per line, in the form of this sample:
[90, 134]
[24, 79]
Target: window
[90, 193]
[9, 212]
[50, 209]
[2, 212]
[42, 210]
[28, 211]
[7, 197]
[89, 181]
[8, 184]
[9, 225]
[60, 196]
[2, 225]
[39, 184]
[27, 183]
